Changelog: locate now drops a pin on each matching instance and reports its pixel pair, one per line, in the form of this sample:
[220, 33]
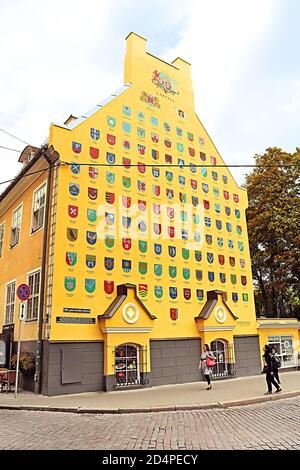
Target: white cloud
[292, 104]
[221, 40]
[218, 39]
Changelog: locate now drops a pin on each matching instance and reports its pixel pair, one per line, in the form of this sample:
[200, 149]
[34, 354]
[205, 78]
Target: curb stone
[153, 409]
[101, 411]
[250, 401]
[133, 410]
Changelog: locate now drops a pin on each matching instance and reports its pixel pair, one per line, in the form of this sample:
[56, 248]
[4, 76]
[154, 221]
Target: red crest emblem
[173, 314]
[73, 211]
[93, 172]
[93, 193]
[171, 232]
[126, 201]
[126, 243]
[191, 152]
[168, 143]
[126, 144]
[221, 259]
[143, 290]
[244, 280]
[126, 162]
[109, 287]
[235, 198]
[206, 205]
[94, 153]
[141, 167]
[156, 190]
[213, 160]
[154, 137]
[110, 197]
[226, 195]
[194, 184]
[141, 149]
[187, 293]
[156, 209]
[111, 139]
[142, 205]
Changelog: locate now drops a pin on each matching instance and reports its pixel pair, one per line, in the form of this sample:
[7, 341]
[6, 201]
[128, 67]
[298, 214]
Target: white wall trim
[216, 328]
[268, 326]
[126, 330]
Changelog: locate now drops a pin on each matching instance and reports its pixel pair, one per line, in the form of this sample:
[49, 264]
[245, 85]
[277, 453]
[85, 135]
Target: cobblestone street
[271, 425]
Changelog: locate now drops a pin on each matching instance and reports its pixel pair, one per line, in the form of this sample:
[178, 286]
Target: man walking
[269, 370]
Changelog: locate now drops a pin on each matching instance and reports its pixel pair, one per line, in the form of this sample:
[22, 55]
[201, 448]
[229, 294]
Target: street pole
[21, 317]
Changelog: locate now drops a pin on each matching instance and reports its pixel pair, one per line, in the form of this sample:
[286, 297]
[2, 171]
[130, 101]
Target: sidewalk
[231, 392]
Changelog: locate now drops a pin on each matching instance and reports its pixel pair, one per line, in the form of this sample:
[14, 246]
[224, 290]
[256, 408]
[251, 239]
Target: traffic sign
[22, 311]
[23, 291]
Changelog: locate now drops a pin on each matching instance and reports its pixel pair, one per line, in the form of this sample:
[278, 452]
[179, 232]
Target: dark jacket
[269, 361]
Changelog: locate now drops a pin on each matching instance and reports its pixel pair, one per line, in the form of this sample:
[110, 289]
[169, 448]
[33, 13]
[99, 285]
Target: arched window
[219, 349]
[127, 365]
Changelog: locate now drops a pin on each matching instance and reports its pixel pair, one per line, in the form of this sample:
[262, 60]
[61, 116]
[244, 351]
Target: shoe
[209, 387]
[268, 393]
[278, 390]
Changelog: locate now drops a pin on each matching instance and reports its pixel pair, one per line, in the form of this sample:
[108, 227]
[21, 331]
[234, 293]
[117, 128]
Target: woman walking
[206, 363]
[269, 370]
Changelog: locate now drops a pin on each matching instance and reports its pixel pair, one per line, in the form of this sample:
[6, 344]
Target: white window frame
[34, 297]
[281, 354]
[17, 227]
[2, 235]
[39, 209]
[10, 304]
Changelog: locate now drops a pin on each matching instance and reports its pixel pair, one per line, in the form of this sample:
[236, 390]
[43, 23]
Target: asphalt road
[269, 425]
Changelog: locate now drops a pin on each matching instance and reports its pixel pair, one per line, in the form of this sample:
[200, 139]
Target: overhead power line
[8, 148]
[14, 136]
[26, 174]
[107, 165]
[176, 165]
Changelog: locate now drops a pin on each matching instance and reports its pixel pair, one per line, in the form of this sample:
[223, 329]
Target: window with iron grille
[16, 227]
[33, 301]
[1, 238]
[10, 302]
[224, 356]
[38, 214]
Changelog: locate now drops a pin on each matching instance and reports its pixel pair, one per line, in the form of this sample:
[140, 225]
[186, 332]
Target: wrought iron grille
[130, 364]
[225, 361]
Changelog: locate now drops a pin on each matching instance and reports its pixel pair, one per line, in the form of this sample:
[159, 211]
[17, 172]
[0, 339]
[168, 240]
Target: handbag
[210, 362]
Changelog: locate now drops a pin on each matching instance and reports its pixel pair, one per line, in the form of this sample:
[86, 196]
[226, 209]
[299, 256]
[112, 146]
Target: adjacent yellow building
[146, 254]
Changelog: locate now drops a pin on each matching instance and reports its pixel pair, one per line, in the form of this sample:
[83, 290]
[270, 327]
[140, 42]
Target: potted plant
[27, 363]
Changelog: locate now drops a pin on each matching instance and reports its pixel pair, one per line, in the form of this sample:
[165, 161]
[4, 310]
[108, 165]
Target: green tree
[273, 219]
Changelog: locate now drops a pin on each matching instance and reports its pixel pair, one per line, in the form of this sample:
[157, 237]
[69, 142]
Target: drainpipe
[50, 156]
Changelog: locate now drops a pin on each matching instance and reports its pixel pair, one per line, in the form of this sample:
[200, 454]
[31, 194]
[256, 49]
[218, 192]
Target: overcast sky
[64, 56]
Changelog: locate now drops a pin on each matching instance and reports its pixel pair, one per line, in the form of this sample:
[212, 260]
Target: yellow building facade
[147, 247]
